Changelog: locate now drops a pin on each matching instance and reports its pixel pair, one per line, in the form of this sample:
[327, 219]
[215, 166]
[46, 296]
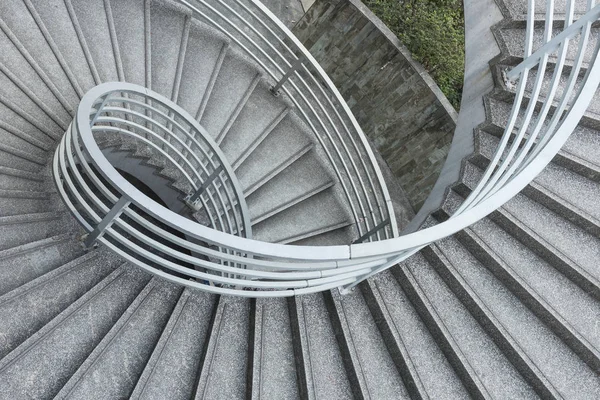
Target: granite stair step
[129, 18]
[31, 306]
[169, 27]
[113, 367]
[16, 179]
[319, 361]
[307, 178]
[93, 19]
[425, 371]
[18, 22]
[512, 43]
[483, 368]
[182, 343]
[19, 202]
[369, 366]
[553, 237]
[298, 223]
[32, 227]
[56, 17]
[558, 188]
[530, 345]
[21, 264]
[261, 114]
[54, 353]
[19, 65]
[205, 52]
[224, 369]
[551, 296]
[235, 81]
[271, 366]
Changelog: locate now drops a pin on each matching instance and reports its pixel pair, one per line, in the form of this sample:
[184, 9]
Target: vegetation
[433, 31]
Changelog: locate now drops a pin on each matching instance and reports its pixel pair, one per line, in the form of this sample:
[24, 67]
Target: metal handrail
[261, 36]
[218, 262]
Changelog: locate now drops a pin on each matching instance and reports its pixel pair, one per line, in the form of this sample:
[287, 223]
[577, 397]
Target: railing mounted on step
[219, 262]
[254, 30]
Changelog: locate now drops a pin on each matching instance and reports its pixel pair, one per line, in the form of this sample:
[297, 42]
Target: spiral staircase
[506, 308]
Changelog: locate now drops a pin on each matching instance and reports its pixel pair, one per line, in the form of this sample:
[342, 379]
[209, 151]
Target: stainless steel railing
[254, 30]
[219, 262]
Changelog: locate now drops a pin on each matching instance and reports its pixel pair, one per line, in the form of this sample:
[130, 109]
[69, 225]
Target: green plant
[433, 31]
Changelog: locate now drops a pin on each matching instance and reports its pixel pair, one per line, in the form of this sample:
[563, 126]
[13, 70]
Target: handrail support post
[193, 199]
[114, 213]
[276, 89]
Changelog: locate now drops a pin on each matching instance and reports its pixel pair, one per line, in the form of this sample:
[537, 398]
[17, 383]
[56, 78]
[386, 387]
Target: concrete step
[115, 364]
[56, 16]
[54, 353]
[272, 367]
[19, 202]
[319, 362]
[31, 306]
[289, 188]
[18, 22]
[93, 19]
[224, 368]
[553, 237]
[256, 121]
[425, 371]
[130, 28]
[18, 230]
[581, 152]
[483, 368]
[182, 343]
[235, 82]
[527, 342]
[298, 223]
[21, 264]
[169, 33]
[546, 292]
[368, 363]
[512, 44]
[16, 179]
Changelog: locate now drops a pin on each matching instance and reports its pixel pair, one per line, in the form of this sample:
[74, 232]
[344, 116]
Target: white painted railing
[133, 225]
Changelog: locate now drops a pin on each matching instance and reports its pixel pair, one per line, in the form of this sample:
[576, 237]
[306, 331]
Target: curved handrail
[260, 35]
[245, 267]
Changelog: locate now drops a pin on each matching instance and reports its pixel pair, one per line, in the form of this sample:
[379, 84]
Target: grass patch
[434, 32]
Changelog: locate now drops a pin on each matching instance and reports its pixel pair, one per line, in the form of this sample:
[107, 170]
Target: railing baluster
[106, 222]
[193, 198]
[276, 90]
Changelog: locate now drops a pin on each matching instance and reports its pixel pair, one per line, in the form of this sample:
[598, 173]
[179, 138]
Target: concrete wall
[400, 108]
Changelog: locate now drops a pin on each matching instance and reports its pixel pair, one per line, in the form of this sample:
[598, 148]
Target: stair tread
[544, 349]
[484, 357]
[54, 353]
[28, 308]
[427, 362]
[113, 366]
[182, 343]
